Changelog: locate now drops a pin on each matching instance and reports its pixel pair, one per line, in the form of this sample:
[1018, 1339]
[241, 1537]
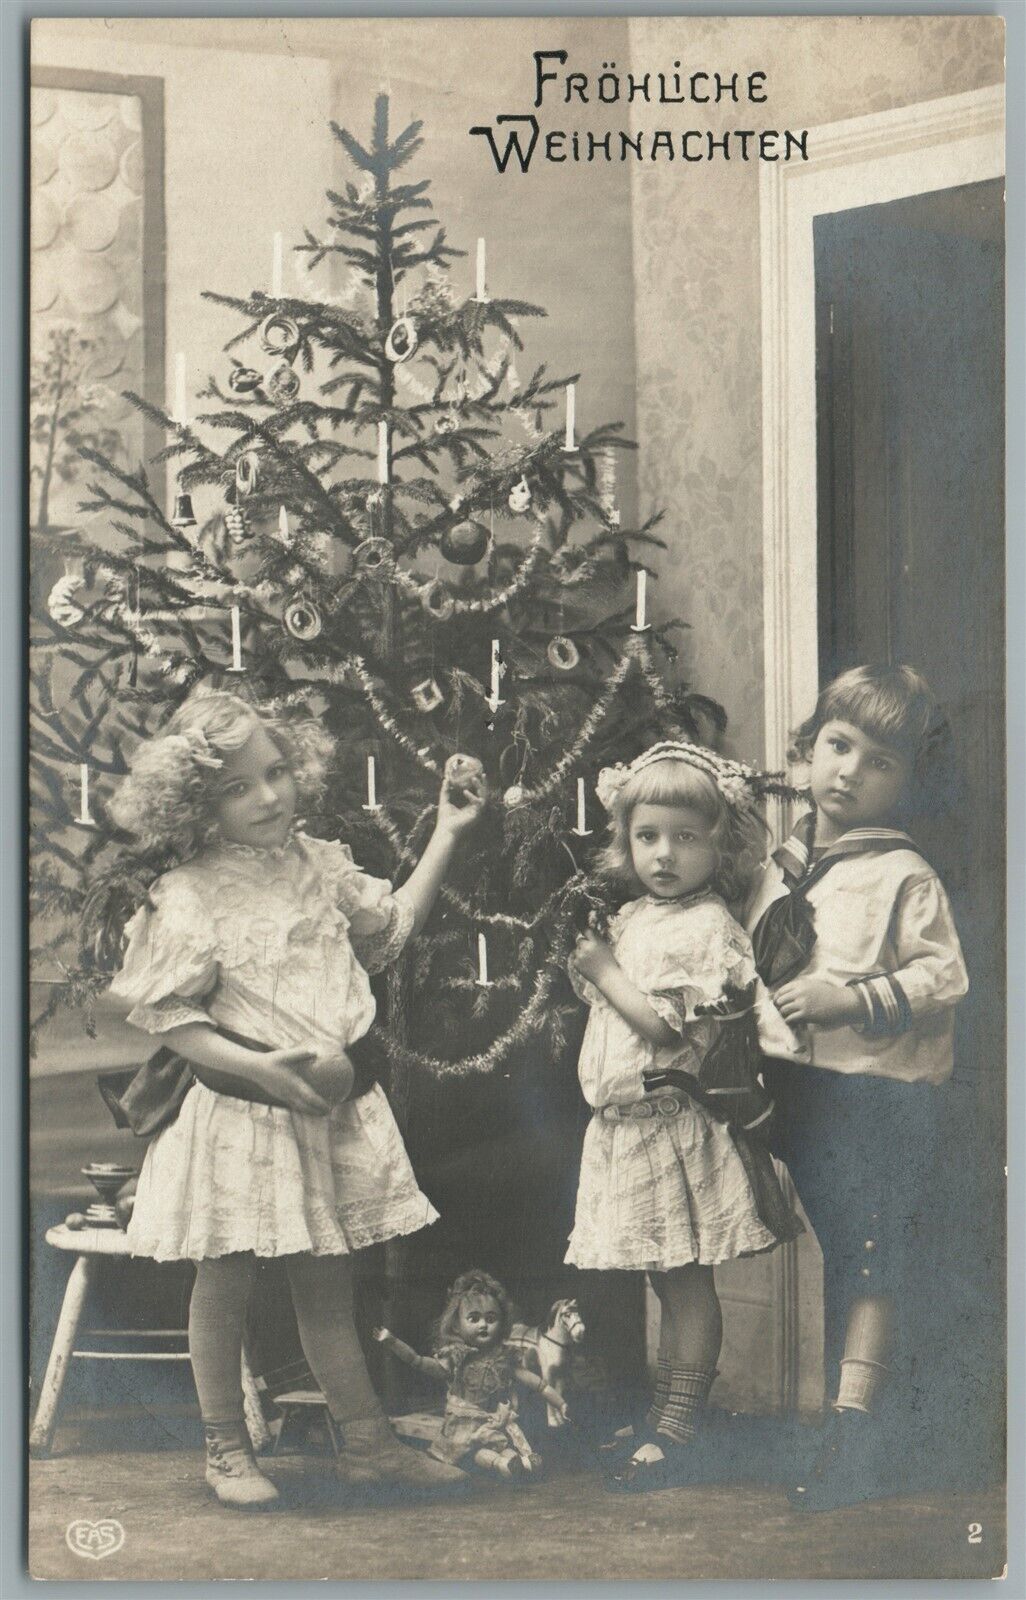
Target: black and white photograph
[516, 751]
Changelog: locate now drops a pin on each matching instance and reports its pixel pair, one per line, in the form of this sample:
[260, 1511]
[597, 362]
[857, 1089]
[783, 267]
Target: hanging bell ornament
[372, 554]
[437, 601]
[426, 696]
[183, 514]
[563, 653]
[302, 618]
[279, 334]
[520, 496]
[402, 340]
[281, 384]
[244, 380]
[464, 544]
[247, 473]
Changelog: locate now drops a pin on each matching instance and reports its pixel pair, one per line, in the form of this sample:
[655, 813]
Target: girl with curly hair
[675, 1177]
[250, 959]
[480, 1371]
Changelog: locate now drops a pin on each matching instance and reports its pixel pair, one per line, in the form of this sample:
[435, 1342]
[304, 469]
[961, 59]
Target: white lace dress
[664, 1191]
[275, 945]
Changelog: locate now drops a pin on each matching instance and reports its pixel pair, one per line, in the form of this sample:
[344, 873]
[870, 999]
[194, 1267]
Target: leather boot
[372, 1457]
[232, 1471]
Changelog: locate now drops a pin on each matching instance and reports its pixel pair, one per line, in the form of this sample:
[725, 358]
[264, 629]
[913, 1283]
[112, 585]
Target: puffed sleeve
[695, 956]
[380, 918]
[170, 963]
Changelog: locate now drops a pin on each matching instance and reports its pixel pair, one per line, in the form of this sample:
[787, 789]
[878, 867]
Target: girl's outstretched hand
[281, 1076]
[380, 1334]
[463, 796]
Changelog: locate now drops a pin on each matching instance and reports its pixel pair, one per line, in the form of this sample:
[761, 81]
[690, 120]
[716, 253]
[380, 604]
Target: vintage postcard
[517, 798]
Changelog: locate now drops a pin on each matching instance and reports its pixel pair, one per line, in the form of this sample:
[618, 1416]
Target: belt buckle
[669, 1105]
[644, 1109]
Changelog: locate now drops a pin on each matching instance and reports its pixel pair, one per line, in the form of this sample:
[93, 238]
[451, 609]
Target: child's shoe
[373, 1458]
[847, 1467]
[232, 1471]
[657, 1463]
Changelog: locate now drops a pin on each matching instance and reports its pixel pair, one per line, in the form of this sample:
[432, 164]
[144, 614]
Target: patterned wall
[696, 265]
[87, 251]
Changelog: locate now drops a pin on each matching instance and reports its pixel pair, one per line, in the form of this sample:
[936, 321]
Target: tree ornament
[437, 601]
[279, 335]
[520, 496]
[372, 554]
[247, 473]
[426, 696]
[447, 421]
[60, 602]
[402, 340]
[572, 565]
[464, 544]
[302, 618]
[563, 653]
[281, 384]
[182, 516]
[513, 796]
[244, 380]
[235, 522]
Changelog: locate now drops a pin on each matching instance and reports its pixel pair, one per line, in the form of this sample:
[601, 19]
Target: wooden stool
[307, 1403]
[90, 1246]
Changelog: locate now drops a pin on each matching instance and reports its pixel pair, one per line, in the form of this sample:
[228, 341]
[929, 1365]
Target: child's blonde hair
[166, 801]
[738, 833]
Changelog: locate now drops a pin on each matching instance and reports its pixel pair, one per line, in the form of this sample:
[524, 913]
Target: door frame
[863, 161]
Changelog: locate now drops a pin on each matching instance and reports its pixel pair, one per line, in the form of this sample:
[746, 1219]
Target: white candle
[382, 452]
[283, 525]
[582, 818]
[181, 404]
[236, 665]
[481, 270]
[639, 625]
[568, 443]
[495, 699]
[277, 262]
[482, 960]
[84, 815]
[372, 793]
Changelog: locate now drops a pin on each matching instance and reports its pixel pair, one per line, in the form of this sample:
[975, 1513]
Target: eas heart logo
[94, 1540]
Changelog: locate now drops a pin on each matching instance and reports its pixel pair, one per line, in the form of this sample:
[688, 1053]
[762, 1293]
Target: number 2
[976, 1533]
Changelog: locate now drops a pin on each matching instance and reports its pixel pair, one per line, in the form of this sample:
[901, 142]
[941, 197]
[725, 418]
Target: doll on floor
[480, 1371]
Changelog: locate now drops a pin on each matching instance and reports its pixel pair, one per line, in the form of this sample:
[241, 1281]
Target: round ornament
[281, 384]
[426, 696]
[372, 554]
[244, 380]
[247, 473]
[520, 496]
[513, 796]
[563, 653]
[402, 340]
[302, 618]
[464, 544]
[279, 335]
[448, 421]
[437, 601]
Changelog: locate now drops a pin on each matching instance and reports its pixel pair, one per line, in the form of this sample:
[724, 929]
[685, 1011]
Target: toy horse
[545, 1350]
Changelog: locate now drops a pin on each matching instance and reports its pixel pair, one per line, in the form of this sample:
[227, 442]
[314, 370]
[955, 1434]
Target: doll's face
[480, 1321]
[856, 781]
[255, 794]
[671, 849]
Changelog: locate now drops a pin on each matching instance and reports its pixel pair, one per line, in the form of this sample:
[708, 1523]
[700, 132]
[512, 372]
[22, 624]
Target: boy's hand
[464, 791]
[592, 955]
[380, 1334]
[281, 1075]
[812, 1000]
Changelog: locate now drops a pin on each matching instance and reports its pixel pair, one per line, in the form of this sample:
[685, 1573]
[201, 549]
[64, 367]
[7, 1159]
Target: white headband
[735, 781]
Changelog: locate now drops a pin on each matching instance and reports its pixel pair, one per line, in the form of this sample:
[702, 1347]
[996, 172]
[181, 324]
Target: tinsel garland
[358, 667]
[485, 603]
[530, 1021]
[502, 919]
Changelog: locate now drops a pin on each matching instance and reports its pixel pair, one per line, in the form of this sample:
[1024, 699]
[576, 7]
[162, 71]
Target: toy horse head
[565, 1316]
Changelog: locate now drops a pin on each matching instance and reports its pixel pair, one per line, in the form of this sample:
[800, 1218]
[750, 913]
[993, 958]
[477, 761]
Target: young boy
[854, 935]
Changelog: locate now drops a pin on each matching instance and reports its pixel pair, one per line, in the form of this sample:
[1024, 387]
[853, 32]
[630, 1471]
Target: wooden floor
[568, 1527]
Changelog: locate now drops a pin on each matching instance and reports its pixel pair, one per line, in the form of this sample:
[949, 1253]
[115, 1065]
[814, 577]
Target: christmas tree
[402, 535]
